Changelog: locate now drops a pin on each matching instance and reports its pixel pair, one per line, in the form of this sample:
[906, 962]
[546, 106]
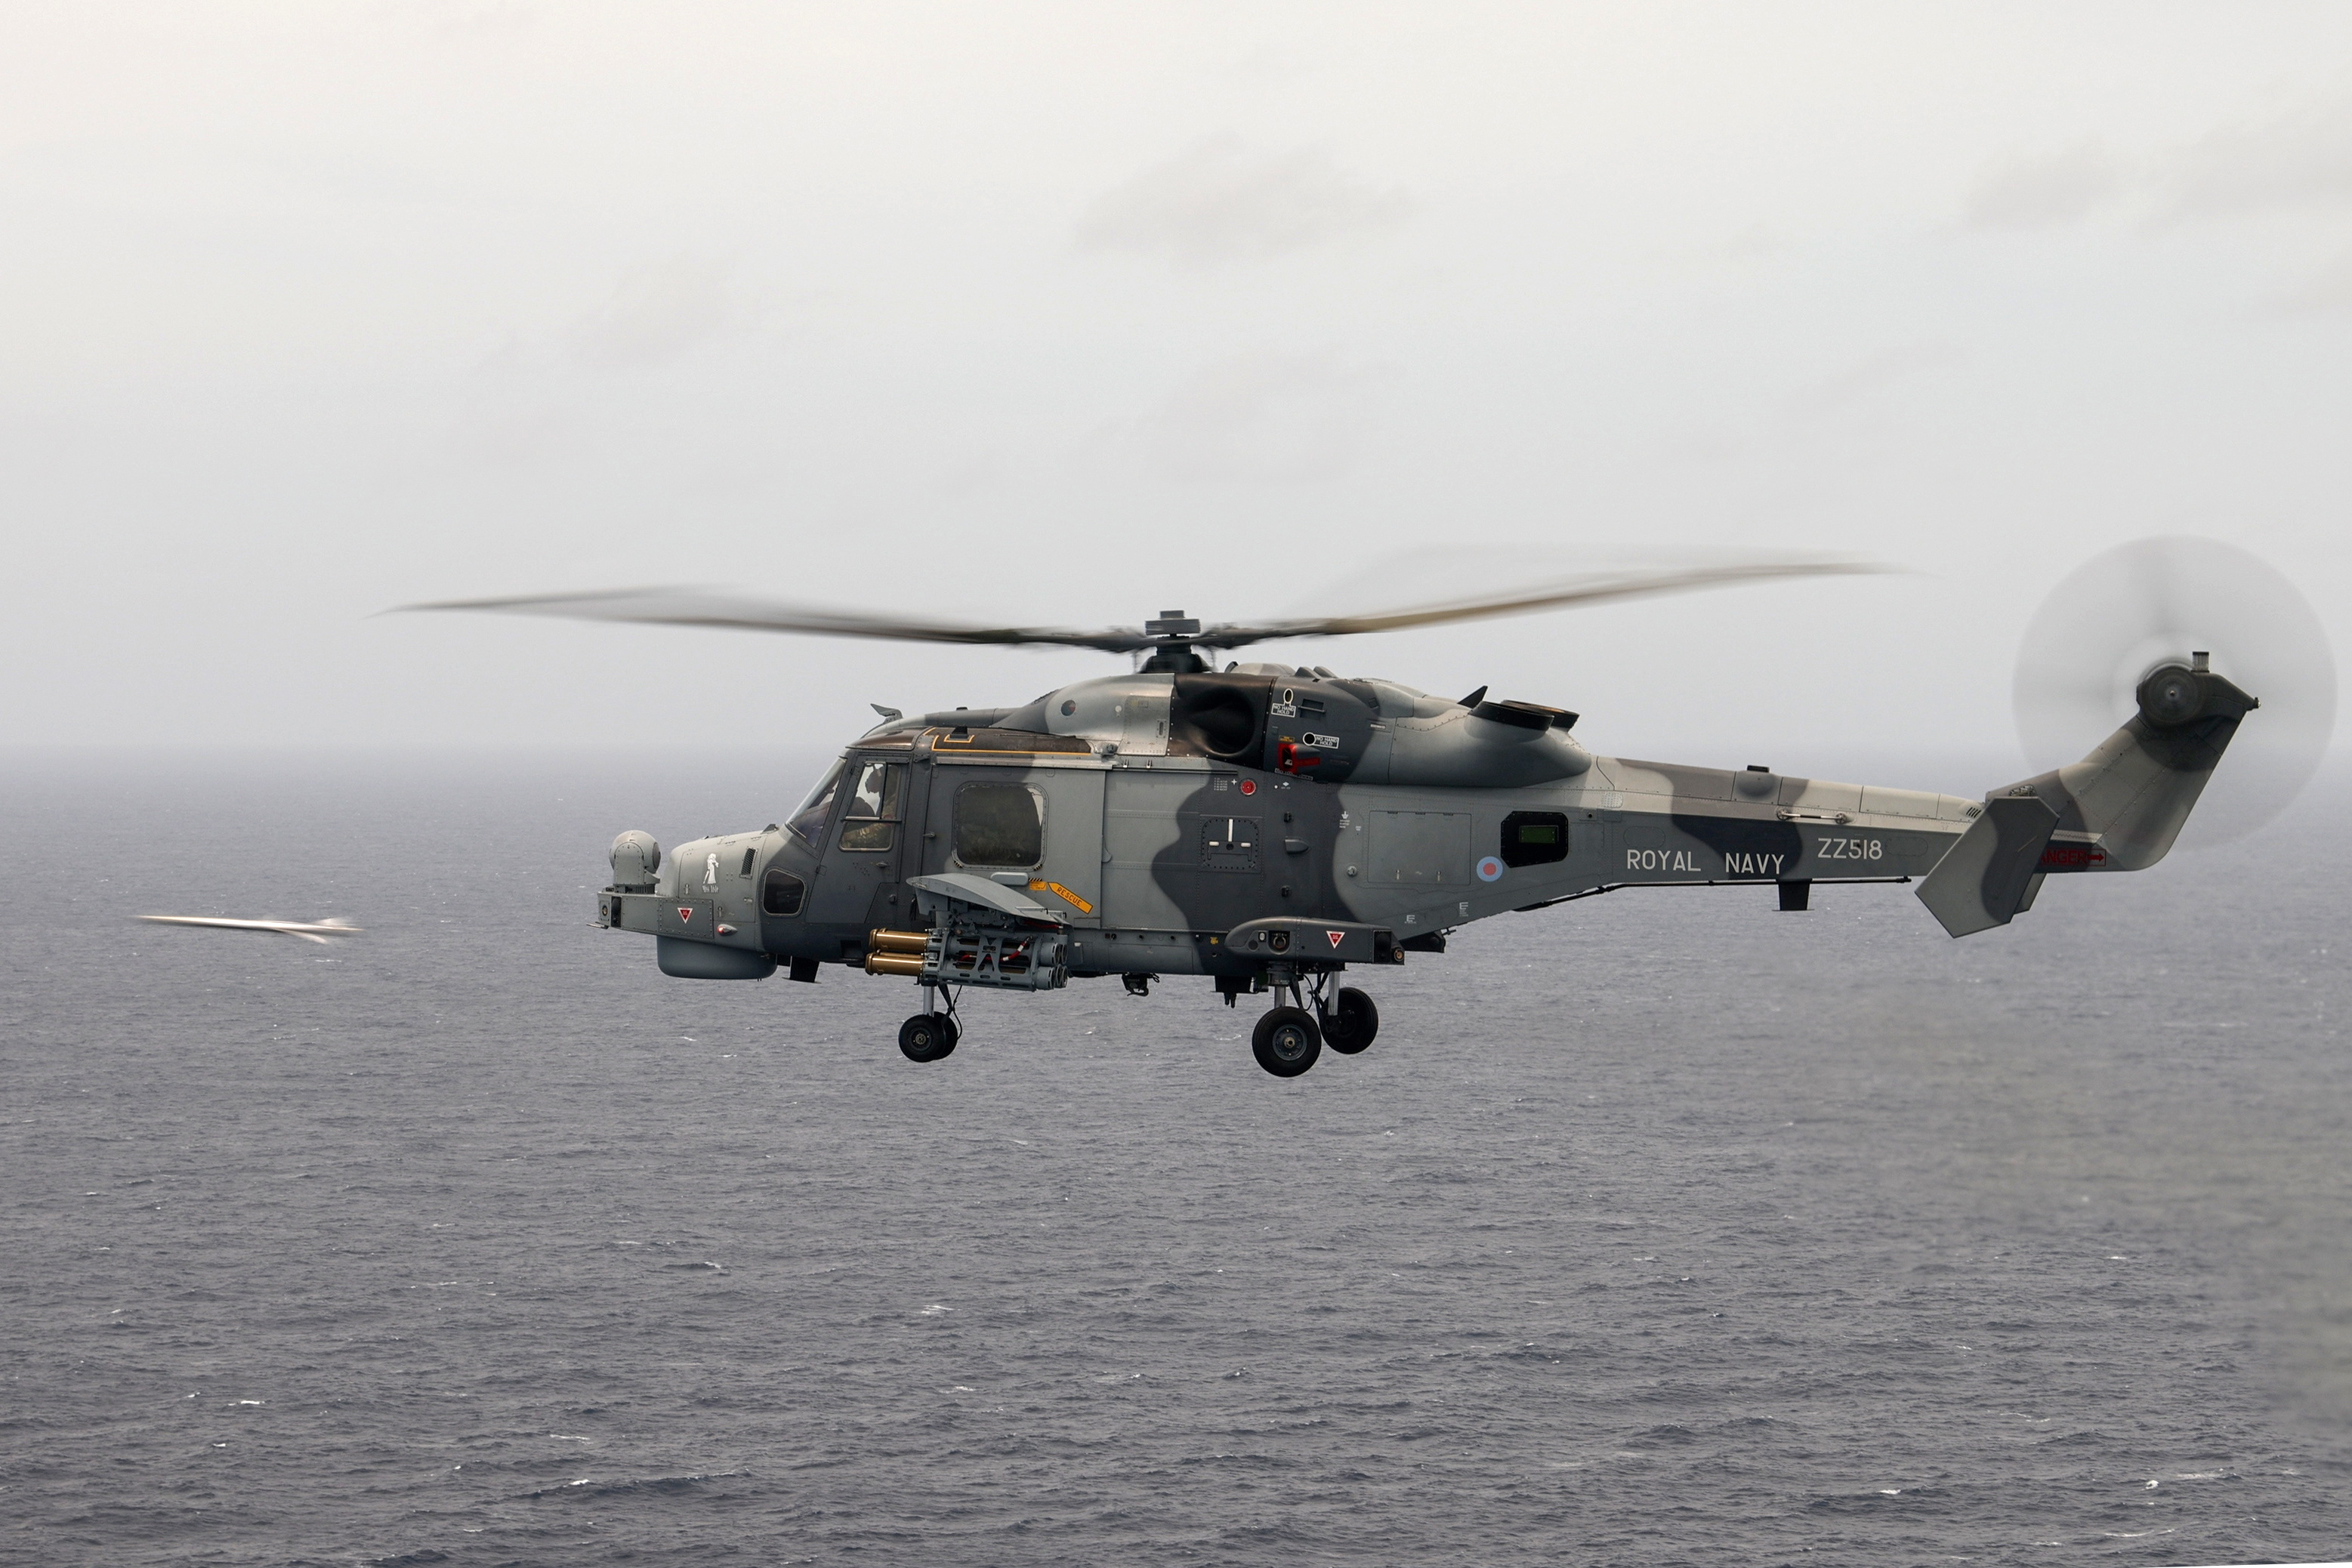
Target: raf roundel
[1490, 870]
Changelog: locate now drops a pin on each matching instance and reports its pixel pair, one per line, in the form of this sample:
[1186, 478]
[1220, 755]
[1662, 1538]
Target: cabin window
[1534, 838]
[999, 825]
[781, 892]
[809, 820]
[870, 820]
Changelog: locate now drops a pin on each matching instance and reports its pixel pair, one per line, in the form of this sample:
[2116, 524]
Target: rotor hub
[1171, 633]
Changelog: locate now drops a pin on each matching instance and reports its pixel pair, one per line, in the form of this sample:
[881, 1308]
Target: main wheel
[1286, 1041]
[928, 1037]
[1351, 1023]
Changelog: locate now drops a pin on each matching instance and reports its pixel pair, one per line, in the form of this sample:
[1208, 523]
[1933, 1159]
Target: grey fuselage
[1174, 808]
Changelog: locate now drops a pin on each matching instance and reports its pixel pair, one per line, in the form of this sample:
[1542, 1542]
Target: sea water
[1658, 1227]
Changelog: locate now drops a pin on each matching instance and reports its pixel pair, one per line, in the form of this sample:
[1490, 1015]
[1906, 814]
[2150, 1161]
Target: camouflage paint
[1154, 847]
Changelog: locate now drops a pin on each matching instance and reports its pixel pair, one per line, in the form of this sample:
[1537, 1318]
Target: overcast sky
[1073, 313]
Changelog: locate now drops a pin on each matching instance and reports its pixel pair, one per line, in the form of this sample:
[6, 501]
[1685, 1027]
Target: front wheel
[1286, 1041]
[927, 1036]
[1351, 1023]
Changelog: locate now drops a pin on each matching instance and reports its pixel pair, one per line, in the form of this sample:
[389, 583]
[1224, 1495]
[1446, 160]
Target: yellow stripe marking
[1059, 891]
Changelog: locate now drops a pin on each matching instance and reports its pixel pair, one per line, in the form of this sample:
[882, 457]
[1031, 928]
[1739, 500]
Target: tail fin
[2118, 809]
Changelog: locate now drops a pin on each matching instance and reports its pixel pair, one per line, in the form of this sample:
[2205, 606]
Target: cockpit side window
[809, 820]
[870, 820]
[781, 892]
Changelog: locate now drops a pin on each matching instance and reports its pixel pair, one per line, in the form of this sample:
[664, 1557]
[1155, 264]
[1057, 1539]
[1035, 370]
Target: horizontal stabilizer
[1985, 879]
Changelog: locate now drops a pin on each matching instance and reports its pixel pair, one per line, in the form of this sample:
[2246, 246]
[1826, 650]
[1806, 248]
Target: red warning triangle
[1336, 937]
[685, 914]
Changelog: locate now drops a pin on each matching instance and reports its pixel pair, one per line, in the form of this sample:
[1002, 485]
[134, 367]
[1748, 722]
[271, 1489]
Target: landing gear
[1289, 1040]
[1351, 1021]
[932, 1033]
[1286, 1041]
[928, 1037]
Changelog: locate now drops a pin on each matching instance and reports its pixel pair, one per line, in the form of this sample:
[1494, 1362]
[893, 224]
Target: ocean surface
[1657, 1228]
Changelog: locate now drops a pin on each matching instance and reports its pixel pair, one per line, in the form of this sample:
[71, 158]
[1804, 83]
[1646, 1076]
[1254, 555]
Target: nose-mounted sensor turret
[636, 859]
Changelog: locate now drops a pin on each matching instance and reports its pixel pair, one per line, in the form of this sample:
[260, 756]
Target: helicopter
[1269, 828]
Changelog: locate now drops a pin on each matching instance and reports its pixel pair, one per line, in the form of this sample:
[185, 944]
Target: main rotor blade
[1588, 588]
[700, 607]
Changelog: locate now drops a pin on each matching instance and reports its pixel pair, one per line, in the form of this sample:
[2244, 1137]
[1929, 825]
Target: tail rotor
[2127, 613]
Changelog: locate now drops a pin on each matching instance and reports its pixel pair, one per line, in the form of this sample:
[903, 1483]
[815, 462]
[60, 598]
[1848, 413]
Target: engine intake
[1222, 715]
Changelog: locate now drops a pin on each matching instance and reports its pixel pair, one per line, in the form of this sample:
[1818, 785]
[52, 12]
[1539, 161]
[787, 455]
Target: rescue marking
[685, 914]
[1059, 891]
[1336, 937]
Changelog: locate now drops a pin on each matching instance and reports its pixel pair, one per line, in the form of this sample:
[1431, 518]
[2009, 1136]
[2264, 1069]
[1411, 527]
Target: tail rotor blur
[2156, 601]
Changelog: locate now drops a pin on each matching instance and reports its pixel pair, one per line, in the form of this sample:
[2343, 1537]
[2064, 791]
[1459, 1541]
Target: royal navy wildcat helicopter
[1267, 827]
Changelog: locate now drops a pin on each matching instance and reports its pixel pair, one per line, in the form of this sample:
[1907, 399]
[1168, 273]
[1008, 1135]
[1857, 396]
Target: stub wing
[309, 931]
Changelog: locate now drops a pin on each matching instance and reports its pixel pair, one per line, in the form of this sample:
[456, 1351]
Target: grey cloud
[2033, 191]
[1875, 375]
[975, 474]
[2329, 290]
[2299, 160]
[1224, 201]
[659, 314]
[529, 401]
[1263, 418]
[461, 20]
[514, 434]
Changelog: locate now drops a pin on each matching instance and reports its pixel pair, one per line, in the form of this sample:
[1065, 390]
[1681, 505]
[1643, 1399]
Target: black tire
[1351, 1023]
[1286, 1041]
[928, 1037]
